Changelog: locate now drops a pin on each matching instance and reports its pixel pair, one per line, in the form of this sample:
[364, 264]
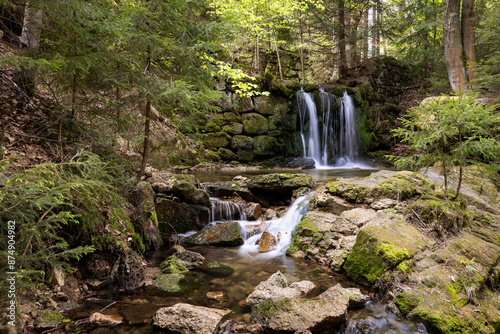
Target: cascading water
[225, 210]
[282, 228]
[333, 142]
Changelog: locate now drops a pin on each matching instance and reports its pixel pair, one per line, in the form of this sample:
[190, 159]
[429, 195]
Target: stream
[137, 307]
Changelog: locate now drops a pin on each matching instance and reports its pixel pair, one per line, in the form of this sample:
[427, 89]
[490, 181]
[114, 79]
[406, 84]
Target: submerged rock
[299, 315]
[219, 269]
[226, 234]
[99, 319]
[276, 286]
[174, 284]
[189, 319]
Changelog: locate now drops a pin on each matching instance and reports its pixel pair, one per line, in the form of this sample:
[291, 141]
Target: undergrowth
[61, 212]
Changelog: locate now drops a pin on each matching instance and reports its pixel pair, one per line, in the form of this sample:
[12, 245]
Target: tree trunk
[279, 60]
[30, 36]
[147, 126]
[341, 37]
[364, 38]
[468, 39]
[374, 32]
[453, 45]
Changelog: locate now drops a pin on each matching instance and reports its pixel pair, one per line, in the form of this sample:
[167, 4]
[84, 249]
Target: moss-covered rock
[226, 154]
[279, 181]
[178, 217]
[173, 285]
[232, 117]
[226, 234]
[172, 265]
[265, 105]
[219, 269]
[216, 140]
[242, 143]
[379, 248]
[254, 124]
[245, 155]
[265, 146]
[212, 127]
[233, 128]
[188, 193]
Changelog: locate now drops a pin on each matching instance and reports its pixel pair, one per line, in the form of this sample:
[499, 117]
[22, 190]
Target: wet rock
[301, 163]
[271, 189]
[176, 217]
[190, 259]
[298, 315]
[173, 284]
[189, 319]
[270, 214]
[172, 265]
[140, 312]
[267, 242]
[219, 269]
[219, 296]
[226, 234]
[253, 211]
[99, 319]
[353, 295]
[250, 230]
[276, 286]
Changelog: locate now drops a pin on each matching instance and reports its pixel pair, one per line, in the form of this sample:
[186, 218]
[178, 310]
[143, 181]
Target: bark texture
[453, 45]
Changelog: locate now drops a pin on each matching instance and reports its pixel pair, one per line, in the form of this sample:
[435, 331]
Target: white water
[225, 210]
[285, 226]
[334, 144]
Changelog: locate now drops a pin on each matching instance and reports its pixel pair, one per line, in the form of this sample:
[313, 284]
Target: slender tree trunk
[469, 39]
[374, 31]
[445, 174]
[453, 45]
[147, 125]
[302, 52]
[279, 60]
[379, 19]
[364, 39]
[460, 173]
[341, 37]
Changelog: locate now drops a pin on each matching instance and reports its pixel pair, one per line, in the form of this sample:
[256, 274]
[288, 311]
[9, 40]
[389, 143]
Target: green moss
[405, 266]
[219, 269]
[406, 302]
[269, 307]
[393, 254]
[154, 218]
[430, 208]
[172, 265]
[51, 317]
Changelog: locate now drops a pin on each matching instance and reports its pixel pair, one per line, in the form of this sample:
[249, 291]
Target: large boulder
[353, 295]
[254, 124]
[144, 216]
[216, 140]
[226, 234]
[383, 246]
[298, 315]
[189, 319]
[276, 286]
[178, 217]
[265, 105]
[188, 193]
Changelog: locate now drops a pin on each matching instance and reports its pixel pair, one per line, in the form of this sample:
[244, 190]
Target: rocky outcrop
[271, 189]
[226, 234]
[189, 319]
[353, 295]
[190, 259]
[277, 286]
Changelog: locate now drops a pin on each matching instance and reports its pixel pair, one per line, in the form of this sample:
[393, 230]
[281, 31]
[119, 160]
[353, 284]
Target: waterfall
[333, 142]
[282, 228]
[224, 210]
[308, 113]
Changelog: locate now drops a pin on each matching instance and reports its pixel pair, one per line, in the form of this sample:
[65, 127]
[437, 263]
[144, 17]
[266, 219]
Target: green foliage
[62, 212]
[488, 34]
[451, 130]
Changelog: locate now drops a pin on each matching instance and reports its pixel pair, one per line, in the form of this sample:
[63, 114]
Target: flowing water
[331, 142]
[250, 268]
